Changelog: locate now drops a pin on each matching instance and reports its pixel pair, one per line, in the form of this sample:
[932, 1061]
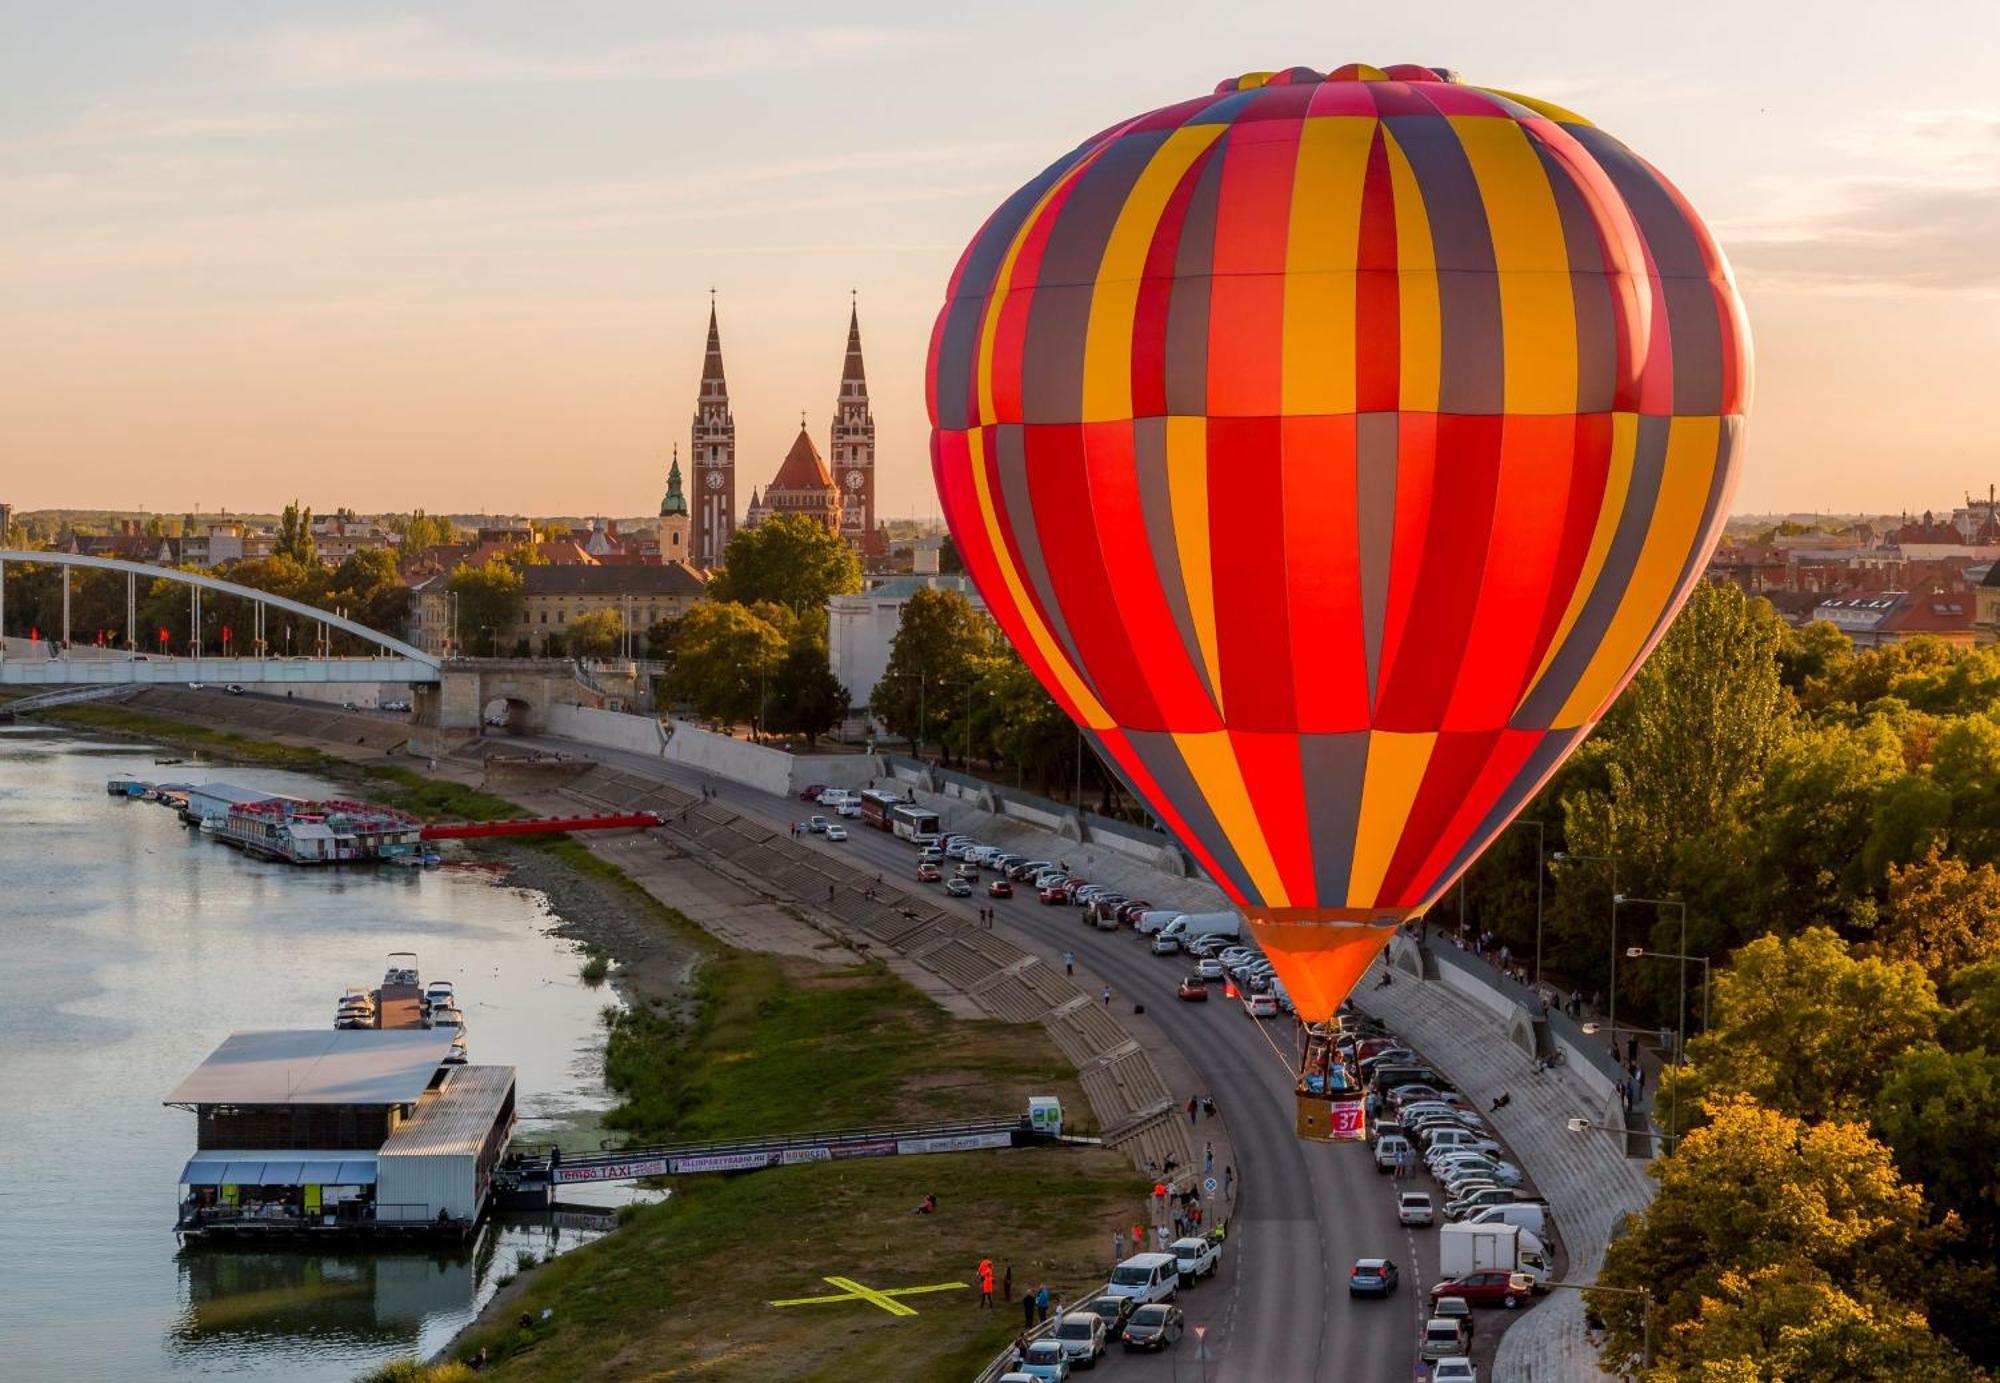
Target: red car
[999, 888]
[928, 874]
[1193, 990]
[811, 793]
[1490, 1288]
[1054, 895]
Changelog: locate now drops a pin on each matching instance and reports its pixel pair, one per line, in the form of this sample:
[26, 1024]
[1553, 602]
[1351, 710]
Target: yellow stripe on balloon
[1114, 299]
[1320, 246]
[1187, 496]
[1420, 343]
[1537, 300]
[1080, 696]
[1560, 114]
[1396, 764]
[1685, 482]
[1617, 484]
[1003, 282]
[1211, 762]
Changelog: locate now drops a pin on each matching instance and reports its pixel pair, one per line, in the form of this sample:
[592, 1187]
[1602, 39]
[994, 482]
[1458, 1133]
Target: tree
[788, 559]
[1753, 1190]
[295, 539]
[935, 656]
[596, 634]
[1807, 1029]
[1814, 820]
[1939, 1112]
[1789, 1322]
[1813, 659]
[1973, 1020]
[806, 698]
[1032, 733]
[369, 588]
[417, 530]
[1942, 914]
[724, 656]
[489, 599]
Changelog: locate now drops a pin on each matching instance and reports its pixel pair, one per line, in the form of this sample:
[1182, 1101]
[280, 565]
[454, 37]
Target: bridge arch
[210, 583]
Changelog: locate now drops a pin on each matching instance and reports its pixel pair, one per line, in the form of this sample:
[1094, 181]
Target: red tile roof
[803, 469]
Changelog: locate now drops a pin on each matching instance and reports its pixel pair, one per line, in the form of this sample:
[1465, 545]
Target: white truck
[1464, 1248]
[1190, 925]
[1198, 1257]
[1150, 922]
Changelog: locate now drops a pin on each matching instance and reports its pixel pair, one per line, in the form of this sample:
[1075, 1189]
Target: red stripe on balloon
[1247, 558]
[1247, 295]
[1589, 472]
[1377, 315]
[1504, 756]
[1455, 763]
[1114, 743]
[1416, 463]
[1275, 781]
[1419, 684]
[1322, 575]
[1156, 295]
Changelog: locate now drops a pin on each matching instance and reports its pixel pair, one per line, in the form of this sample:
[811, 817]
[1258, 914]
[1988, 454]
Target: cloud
[414, 49]
[110, 124]
[1927, 220]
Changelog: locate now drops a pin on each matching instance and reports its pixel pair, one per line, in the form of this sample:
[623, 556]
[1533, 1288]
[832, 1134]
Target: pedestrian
[1228, 1181]
[1639, 1077]
[1208, 1159]
[1042, 1304]
[1208, 1106]
[1161, 1230]
[1028, 1310]
[1196, 1214]
[1020, 1351]
[1069, 962]
[1107, 996]
[1117, 1250]
[985, 1283]
[1193, 1108]
[1007, 1284]
[1631, 1049]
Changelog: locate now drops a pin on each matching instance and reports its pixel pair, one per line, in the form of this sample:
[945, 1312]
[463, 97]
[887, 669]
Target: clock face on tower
[714, 481]
[855, 480]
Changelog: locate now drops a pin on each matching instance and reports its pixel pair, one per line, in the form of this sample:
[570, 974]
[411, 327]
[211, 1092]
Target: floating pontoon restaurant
[318, 1131]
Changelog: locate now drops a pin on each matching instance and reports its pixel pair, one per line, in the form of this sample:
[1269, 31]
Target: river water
[129, 947]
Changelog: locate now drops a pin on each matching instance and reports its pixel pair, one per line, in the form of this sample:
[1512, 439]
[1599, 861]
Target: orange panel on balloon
[1319, 961]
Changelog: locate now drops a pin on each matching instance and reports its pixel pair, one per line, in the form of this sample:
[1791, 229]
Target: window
[562, 617]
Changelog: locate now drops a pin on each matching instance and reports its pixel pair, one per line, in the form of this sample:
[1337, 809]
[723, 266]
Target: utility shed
[440, 1160]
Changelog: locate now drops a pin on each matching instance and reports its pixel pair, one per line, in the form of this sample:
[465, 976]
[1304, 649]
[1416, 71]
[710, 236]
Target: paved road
[1305, 1211]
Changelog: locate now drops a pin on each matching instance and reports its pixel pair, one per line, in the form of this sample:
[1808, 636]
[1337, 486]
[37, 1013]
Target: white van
[1190, 925]
[1146, 1277]
[1529, 1215]
[1392, 1150]
[1150, 922]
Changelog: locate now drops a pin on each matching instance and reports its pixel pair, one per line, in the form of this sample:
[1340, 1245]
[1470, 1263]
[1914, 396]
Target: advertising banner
[614, 1171]
[959, 1142]
[726, 1162]
[1347, 1119]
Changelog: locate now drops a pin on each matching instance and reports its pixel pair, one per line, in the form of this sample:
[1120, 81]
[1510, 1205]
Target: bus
[876, 806]
[915, 824]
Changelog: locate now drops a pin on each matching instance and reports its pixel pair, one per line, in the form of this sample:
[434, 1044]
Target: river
[132, 946]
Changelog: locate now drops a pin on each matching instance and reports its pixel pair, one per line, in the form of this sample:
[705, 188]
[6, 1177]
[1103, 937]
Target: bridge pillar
[446, 710]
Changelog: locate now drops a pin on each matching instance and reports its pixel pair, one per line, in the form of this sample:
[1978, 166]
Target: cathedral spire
[853, 379]
[713, 384]
[675, 502]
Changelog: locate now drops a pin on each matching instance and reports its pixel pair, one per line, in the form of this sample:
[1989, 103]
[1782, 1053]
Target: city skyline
[462, 262]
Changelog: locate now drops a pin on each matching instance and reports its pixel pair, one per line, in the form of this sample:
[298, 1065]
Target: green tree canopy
[417, 530]
[806, 698]
[937, 655]
[1942, 914]
[1752, 1190]
[596, 634]
[1806, 1028]
[788, 559]
[724, 658]
[490, 597]
[368, 586]
[295, 539]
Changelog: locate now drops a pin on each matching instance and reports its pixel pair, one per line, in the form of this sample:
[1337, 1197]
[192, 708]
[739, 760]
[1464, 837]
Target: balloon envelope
[1334, 449]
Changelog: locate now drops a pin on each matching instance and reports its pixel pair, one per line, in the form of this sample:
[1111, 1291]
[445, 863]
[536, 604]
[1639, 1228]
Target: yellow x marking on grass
[850, 1290]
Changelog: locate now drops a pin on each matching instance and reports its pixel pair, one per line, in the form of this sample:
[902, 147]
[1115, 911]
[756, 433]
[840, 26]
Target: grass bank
[182, 734]
[783, 1045]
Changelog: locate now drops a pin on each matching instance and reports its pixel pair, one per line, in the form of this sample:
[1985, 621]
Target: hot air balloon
[1334, 448]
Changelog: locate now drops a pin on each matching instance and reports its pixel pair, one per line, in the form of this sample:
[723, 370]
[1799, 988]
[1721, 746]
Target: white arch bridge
[57, 661]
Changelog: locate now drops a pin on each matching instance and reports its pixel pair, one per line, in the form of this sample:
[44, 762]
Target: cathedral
[836, 488]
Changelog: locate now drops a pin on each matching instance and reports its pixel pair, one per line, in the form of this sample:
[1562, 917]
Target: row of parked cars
[1137, 1308]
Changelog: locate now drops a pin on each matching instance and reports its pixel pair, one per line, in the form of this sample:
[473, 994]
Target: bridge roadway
[1279, 1311]
[153, 670]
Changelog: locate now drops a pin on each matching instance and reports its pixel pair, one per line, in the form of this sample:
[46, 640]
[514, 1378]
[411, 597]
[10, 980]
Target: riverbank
[761, 1043]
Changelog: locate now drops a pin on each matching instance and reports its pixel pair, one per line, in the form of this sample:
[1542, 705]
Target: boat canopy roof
[316, 1066]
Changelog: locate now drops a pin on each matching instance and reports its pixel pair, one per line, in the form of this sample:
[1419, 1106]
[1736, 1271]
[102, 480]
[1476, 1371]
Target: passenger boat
[456, 1055]
[448, 1016]
[402, 969]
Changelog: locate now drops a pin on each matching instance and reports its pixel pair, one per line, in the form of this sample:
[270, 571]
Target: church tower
[714, 441]
[674, 520]
[851, 449]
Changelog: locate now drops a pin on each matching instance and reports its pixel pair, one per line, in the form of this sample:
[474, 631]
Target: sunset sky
[459, 256]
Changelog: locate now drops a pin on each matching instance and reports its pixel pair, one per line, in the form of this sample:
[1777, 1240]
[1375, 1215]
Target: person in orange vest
[985, 1283]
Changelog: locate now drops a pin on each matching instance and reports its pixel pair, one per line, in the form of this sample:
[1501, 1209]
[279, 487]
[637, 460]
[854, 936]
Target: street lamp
[1618, 900]
[1562, 856]
[1644, 1294]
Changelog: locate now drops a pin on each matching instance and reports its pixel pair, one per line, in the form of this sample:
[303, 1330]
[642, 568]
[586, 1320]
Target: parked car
[1152, 1327]
[1146, 1277]
[1165, 945]
[1027, 869]
[1455, 1369]
[957, 887]
[928, 873]
[1046, 1362]
[930, 854]
[811, 792]
[966, 870]
[999, 888]
[1199, 1255]
[1111, 1310]
[1193, 990]
[1454, 1309]
[1414, 1208]
[1491, 1287]
[836, 831]
[1459, 1207]
[1393, 1151]
[1081, 1335]
[1445, 1338]
[1208, 968]
[1260, 1006]
[1052, 896]
[848, 809]
[1372, 1277]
